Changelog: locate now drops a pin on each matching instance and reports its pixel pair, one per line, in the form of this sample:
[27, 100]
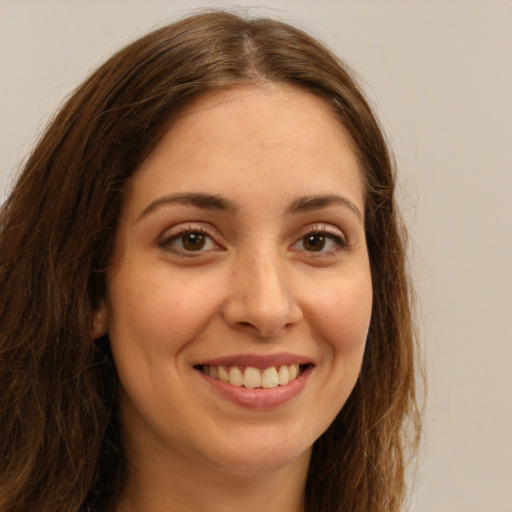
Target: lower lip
[258, 398]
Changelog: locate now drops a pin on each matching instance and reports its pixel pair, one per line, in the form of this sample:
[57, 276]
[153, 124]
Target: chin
[261, 455]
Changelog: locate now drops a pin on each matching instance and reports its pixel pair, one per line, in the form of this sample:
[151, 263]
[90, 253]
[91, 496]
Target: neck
[182, 487]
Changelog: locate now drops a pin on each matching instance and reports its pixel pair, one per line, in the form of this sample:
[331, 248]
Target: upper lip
[255, 360]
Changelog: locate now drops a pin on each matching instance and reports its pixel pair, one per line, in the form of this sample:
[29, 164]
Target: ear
[100, 322]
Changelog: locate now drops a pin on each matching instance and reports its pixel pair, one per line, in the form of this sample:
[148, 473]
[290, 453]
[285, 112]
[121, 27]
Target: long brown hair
[59, 438]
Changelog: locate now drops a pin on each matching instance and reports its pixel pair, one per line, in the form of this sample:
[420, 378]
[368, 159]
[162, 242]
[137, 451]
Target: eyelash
[323, 231]
[180, 234]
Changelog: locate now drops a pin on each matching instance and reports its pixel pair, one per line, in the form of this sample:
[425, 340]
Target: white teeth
[282, 376]
[223, 374]
[236, 377]
[269, 378]
[253, 377]
[213, 371]
[293, 371]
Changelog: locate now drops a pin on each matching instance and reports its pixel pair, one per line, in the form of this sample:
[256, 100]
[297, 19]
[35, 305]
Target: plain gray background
[440, 76]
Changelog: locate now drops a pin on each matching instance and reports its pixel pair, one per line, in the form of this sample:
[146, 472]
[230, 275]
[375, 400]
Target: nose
[261, 298]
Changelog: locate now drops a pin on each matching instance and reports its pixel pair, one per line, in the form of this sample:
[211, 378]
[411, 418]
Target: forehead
[275, 135]
[281, 112]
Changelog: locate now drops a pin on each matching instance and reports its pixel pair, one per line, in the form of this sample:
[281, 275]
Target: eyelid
[334, 233]
[328, 229]
[175, 232]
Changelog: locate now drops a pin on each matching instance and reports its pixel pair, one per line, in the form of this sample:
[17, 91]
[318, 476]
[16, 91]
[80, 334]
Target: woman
[204, 297]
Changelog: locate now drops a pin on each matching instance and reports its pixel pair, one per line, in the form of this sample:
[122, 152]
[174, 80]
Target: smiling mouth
[253, 378]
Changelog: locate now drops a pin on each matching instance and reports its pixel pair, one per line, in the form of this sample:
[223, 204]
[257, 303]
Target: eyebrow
[217, 202]
[207, 201]
[315, 202]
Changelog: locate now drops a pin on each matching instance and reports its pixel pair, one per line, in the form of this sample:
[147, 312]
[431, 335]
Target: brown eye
[323, 242]
[193, 241]
[314, 242]
[189, 242]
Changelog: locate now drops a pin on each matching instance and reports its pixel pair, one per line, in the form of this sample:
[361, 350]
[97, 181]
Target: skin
[254, 287]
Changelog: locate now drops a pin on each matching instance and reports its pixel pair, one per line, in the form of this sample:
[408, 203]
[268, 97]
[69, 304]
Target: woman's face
[240, 261]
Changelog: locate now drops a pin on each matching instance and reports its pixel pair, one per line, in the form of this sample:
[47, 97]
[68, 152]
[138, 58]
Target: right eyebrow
[314, 202]
[208, 201]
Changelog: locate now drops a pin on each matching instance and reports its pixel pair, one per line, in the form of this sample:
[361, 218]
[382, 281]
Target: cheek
[159, 312]
[342, 323]
[343, 314]
[340, 316]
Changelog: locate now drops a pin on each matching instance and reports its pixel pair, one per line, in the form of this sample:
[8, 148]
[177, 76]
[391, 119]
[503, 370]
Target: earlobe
[99, 322]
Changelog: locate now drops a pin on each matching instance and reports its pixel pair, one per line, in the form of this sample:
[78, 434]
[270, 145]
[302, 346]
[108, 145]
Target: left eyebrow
[200, 200]
[314, 202]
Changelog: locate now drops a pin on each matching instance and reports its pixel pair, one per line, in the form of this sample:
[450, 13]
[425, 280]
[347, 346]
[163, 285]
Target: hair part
[59, 443]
